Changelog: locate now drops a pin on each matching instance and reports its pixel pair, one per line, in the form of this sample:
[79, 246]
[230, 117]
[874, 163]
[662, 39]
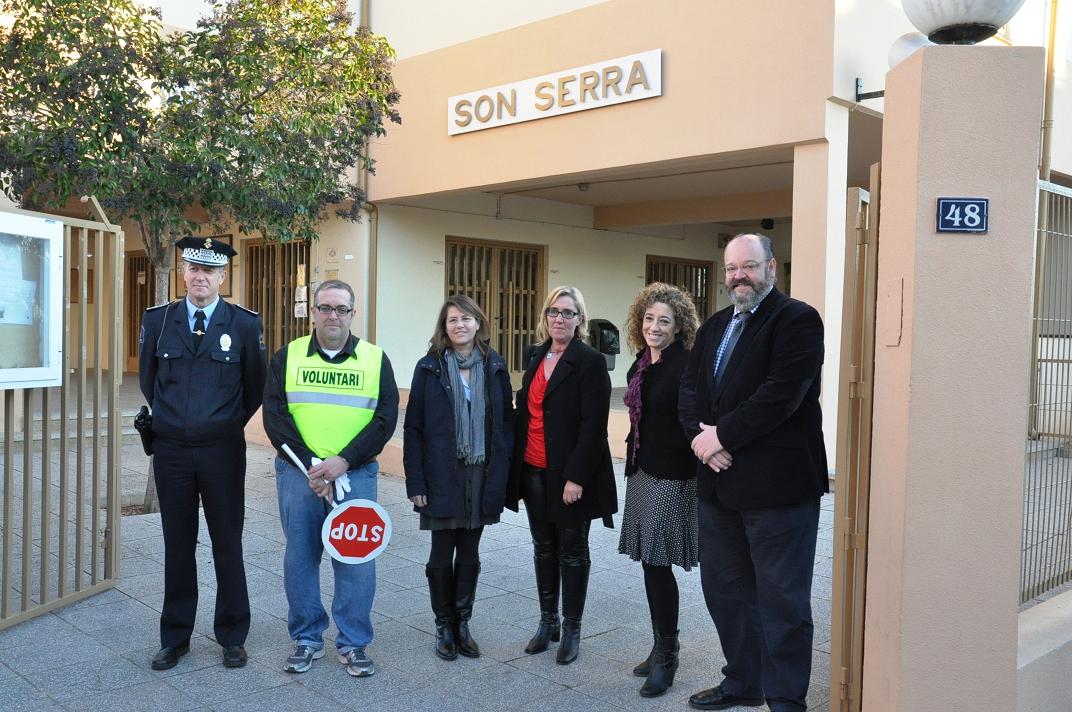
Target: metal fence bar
[98, 368]
[1046, 560]
[80, 434]
[46, 492]
[9, 503]
[27, 495]
[111, 537]
[65, 388]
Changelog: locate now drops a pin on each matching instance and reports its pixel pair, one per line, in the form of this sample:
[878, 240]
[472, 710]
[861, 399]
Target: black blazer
[429, 451]
[664, 452]
[576, 406]
[766, 407]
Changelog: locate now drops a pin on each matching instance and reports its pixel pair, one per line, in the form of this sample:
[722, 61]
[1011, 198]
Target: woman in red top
[562, 466]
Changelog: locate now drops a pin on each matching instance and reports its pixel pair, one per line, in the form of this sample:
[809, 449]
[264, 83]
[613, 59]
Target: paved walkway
[94, 655]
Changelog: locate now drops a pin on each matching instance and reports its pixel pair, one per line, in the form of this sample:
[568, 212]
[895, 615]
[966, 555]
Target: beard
[759, 288]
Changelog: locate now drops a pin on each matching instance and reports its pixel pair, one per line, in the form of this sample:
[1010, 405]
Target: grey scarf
[468, 417]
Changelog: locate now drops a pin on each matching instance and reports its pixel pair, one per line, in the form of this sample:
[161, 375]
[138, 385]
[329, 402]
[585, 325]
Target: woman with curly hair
[659, 523]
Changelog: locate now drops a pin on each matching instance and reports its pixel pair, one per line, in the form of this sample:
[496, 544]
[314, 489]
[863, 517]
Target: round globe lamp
[959, 21]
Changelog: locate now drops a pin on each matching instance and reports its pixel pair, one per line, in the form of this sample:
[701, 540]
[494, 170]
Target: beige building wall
[448, 23]
[718, 96]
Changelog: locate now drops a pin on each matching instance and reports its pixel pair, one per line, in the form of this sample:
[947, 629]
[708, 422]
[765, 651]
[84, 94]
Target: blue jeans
[302, 514]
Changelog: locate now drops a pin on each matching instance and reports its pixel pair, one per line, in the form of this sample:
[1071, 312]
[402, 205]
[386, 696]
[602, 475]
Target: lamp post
[959, 21]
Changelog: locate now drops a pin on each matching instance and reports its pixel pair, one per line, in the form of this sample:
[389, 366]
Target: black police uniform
[202, 399]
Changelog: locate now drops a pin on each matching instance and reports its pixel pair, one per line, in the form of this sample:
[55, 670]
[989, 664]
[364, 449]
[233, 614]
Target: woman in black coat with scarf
[562, 466]
[458, 435]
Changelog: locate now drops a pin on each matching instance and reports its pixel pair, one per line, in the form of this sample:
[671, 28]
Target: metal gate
[691, 276]
[274, 271]
[61, 455]
[1046, 558]
[853, 483]
[506, 280]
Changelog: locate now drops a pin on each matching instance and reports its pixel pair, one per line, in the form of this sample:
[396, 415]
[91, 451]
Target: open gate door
[853, 478]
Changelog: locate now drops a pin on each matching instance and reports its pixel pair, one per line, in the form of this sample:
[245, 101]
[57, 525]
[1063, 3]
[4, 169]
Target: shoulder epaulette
[162, 305]
[246, 309]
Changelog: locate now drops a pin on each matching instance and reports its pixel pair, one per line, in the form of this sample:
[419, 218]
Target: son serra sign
[613, 81]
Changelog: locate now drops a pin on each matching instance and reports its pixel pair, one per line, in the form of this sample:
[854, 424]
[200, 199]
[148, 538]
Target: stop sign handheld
[356, 531]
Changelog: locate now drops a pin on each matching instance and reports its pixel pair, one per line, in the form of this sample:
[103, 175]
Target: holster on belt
[143, 423]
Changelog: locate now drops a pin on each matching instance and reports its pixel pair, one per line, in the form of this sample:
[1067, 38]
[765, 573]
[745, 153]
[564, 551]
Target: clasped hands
[708, 449]
[323, 476]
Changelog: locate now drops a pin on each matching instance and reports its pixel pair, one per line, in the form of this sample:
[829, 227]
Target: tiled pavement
[94, 655]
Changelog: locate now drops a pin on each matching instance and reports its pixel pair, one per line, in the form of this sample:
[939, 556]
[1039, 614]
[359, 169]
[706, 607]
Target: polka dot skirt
[659, 523]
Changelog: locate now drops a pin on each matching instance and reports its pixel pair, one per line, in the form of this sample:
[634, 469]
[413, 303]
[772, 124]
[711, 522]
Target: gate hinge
[852, 541]
[854, 382]
[843, 691]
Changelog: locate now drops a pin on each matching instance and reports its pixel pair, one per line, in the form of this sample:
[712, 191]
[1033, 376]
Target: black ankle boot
[644, 668]
[570, 646]
[441, 591]
[663, 667]
[547, 577]
[465, 577]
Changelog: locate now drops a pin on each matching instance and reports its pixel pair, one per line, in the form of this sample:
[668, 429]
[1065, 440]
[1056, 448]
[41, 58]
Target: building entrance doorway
[508, 281]
[140, 277]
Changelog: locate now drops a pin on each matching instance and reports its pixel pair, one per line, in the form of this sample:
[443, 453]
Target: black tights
[661, 587]
[445, 542]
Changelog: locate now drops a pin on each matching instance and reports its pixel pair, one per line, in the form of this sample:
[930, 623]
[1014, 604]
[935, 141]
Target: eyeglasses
[748, 267]
[564, 313]
[342, 311]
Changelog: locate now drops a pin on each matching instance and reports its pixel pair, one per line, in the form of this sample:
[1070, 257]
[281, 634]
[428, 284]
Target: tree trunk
[161, 253]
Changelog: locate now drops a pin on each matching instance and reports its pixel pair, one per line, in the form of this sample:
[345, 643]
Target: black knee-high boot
[547, 578]
[441, 590]
[574, 593]
[465, 577]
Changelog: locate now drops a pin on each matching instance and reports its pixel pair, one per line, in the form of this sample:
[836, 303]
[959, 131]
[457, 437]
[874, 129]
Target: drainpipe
[1043, 218]
[372, 229]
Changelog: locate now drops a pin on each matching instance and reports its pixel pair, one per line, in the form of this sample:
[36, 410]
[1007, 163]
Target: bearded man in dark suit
[749, 400]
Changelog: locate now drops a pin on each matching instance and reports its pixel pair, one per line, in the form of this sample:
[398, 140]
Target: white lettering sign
[614, 81]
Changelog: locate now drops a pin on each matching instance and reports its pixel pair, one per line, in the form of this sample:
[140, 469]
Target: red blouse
[535, 450]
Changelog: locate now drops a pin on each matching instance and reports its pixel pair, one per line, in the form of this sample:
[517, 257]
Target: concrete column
[951, 382]
[820, 177]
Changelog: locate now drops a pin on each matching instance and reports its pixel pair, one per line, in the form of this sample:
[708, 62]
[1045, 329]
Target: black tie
[199, 328]
[736, 327]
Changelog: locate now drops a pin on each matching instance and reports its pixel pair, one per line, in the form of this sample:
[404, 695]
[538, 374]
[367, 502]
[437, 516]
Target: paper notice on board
[301, 294]
[17, 301]
[301, 310]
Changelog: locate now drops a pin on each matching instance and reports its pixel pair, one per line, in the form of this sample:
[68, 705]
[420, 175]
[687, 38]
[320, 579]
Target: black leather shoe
[716, 698]
[168, 658]
[234, 656]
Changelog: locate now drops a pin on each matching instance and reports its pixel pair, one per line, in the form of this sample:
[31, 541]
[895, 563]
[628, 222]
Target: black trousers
[756, 570]
[558, 546]
[215, 474]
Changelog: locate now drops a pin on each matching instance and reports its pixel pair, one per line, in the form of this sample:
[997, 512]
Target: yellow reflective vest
[332, 402]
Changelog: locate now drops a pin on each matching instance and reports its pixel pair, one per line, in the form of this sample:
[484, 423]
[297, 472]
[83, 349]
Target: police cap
[205, 251]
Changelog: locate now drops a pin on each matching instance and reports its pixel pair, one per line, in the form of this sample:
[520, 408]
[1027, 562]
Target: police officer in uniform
[202, 372]
[331, 398]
